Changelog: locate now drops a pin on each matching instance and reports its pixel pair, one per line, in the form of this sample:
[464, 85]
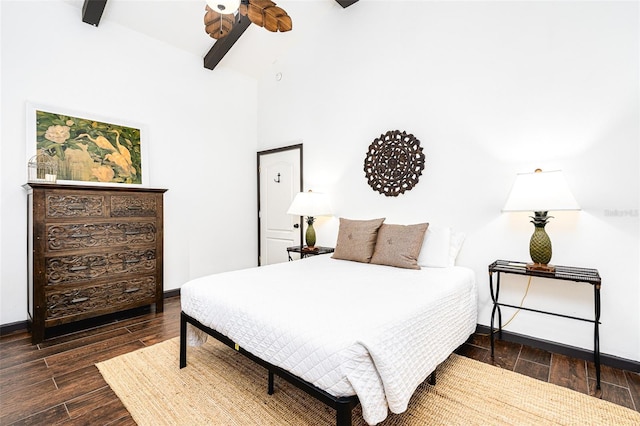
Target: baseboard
[20, 326]
[13, 327]
[559, 348]
[172, 293]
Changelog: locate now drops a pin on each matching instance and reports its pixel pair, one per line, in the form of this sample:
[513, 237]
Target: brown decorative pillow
[357, 239]
[399, 245]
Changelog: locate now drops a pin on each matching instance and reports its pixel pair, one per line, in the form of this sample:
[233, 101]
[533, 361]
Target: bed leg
[343, 415]
[432, 378]
[270, 388]
[183, 340]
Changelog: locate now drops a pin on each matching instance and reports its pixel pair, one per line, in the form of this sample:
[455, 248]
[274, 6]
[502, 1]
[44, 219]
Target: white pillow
[440, 247]
[456, 240]
[436, 251]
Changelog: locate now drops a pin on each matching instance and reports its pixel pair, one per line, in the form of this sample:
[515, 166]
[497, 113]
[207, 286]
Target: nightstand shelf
[304, 251]
[566, 273]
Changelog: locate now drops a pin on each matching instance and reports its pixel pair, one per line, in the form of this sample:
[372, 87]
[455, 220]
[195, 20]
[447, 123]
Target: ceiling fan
[220, 16]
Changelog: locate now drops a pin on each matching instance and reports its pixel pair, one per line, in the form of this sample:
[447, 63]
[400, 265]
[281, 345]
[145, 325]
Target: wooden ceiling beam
[346, 3]
[92, 11]
[223, 45]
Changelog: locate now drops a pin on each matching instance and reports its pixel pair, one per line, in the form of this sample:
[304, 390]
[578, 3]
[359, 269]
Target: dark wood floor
[618, 386]
[57, 382]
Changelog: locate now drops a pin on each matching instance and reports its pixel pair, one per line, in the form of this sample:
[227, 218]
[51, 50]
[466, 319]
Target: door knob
[296, 225]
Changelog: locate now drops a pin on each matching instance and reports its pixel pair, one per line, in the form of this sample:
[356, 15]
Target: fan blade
[243, 9]
[265, 13]
[210, 15]
[255, 11]
[276, 19]
[216, 24]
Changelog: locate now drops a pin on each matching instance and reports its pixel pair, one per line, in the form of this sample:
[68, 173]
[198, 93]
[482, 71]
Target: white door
[280, 179]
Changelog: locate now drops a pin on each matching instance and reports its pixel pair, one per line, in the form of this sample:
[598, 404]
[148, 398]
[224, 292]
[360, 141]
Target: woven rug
[222, 387]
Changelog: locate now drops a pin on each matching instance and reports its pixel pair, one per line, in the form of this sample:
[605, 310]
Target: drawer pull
[80, 235]
[79, 300]
[129, 261]
[134, 207]
[135, 232]
[131, 290]
[78, 206]
[78, 268]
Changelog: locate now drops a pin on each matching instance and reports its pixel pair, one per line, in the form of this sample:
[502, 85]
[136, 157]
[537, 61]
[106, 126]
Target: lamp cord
[521, 303]
[518, 310]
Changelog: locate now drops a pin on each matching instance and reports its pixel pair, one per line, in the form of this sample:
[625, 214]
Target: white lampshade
[224, 6]
[540, 192]
[311, 204]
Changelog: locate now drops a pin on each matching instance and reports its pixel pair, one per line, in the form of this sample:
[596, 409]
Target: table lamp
[310, 204]
[540, 192]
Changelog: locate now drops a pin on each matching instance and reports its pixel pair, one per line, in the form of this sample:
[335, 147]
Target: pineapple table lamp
[310, 204]
[540, 192]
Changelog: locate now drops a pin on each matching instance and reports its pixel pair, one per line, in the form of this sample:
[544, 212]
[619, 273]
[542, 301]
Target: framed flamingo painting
[88, 150]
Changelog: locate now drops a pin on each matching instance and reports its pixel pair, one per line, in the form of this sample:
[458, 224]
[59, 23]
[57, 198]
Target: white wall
[491, 89]
[200, 146]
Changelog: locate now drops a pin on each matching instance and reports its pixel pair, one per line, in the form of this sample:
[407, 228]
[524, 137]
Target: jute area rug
[222, 387]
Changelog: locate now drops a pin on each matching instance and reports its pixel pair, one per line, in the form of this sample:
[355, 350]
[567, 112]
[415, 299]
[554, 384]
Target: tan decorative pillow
[357, 239]
[399, 245]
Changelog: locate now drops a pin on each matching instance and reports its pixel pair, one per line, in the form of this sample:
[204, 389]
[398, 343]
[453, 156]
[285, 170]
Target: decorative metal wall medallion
[394, 163]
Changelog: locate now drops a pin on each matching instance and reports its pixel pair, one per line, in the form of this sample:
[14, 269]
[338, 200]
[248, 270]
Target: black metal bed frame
[342, 405]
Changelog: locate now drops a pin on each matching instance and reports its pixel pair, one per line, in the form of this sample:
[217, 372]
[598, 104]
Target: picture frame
[89, 149]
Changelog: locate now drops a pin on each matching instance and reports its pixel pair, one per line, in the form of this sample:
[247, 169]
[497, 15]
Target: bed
[346, 332]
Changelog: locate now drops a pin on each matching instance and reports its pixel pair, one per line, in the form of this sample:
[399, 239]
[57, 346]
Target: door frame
[259, 156]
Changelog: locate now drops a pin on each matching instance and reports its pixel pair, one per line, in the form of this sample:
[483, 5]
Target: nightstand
[566, 273]
[305, 251]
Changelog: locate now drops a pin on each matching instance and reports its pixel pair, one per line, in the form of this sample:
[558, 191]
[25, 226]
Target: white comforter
[346, 327]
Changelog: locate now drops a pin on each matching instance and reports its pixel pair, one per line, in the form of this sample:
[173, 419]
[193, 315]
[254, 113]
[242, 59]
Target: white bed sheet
[346, 327]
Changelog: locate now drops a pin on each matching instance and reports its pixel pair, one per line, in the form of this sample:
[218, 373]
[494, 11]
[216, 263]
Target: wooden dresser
[93, 250]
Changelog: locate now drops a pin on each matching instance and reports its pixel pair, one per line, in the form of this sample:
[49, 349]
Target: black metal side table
[305, 251]
[566, 273]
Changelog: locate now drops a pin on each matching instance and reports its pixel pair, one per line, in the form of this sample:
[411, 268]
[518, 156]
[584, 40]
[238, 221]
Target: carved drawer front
[60, 205]
[137, 205]
[84, 267]
[133, 261]
[69, 302]
[99, 235]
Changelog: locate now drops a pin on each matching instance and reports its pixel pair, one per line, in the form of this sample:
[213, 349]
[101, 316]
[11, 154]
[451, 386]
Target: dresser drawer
[99, 298]
[75, 236]
[85, 267]
[134, 205]
[74, 204]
